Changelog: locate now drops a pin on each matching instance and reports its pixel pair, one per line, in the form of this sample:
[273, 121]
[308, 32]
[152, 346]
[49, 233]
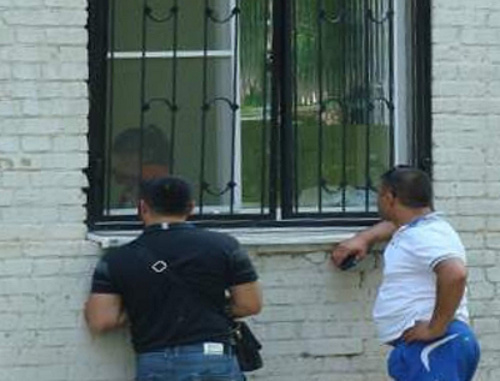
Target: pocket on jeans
[217, 368]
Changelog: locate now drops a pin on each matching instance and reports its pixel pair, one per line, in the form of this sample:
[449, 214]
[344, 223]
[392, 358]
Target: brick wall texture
[466, 59]
[316, 324]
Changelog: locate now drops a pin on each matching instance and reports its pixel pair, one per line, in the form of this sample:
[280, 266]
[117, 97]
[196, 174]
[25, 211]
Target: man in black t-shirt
[174, 285]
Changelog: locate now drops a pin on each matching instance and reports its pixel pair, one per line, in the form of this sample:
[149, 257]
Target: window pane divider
[170, 54]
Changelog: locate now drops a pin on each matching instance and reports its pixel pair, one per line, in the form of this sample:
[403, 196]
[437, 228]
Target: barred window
[276, 111]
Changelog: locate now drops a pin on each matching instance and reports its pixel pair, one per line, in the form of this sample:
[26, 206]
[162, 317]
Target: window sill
[274, 239]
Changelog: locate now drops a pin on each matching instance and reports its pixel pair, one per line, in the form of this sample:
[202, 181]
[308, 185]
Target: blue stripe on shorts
[453, 357]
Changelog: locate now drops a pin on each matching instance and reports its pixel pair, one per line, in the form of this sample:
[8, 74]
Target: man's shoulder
[439, 228]
[435, 225]
[119, 253]
[438, 233]
[216, 237]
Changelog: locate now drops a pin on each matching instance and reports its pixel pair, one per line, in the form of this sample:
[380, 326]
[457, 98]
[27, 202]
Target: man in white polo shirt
[421, 308]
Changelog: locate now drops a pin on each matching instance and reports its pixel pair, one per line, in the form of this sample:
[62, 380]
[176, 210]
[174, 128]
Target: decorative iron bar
[264, 148]
[321, 104]
[172, 17]
[295, 106]
[287, 145]
[233, 105]
[110, 104]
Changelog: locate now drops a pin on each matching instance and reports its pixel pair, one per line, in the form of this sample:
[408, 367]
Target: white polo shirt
[408, 290]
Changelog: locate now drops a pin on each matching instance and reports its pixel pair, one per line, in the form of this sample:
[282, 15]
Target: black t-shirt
[163, 312]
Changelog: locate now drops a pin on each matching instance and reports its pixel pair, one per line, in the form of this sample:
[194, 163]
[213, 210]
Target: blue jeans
[194, 362]
[453, 357]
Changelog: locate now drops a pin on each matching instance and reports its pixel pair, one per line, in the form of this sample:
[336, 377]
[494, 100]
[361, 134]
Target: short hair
[167, 195]
[155, 147]
[410, 185]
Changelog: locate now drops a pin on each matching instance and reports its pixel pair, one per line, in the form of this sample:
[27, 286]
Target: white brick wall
[467, 157]
[44, 261]
[316, 324]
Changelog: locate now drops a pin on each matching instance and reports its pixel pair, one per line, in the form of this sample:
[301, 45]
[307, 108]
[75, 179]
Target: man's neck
[165, 220]
[408, 215]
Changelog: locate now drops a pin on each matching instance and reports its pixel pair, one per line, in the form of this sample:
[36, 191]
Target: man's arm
[246, 299]
[104, 308]
[451, 277]
[104, 312]
[361, 242]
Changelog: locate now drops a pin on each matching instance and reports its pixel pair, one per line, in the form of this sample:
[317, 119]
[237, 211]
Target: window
[275, 110]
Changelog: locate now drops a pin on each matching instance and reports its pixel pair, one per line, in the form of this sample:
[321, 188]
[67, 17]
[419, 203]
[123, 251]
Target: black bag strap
[162, 268]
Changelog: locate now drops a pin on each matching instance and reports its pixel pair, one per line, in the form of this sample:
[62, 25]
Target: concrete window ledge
[272, 239]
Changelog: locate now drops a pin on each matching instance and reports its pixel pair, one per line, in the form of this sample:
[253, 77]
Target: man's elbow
[458, 273]
[255, 307]
[453, 272]
[103, 313]
[246, 299]
[459, 276]
[247, 309]
[99, 325]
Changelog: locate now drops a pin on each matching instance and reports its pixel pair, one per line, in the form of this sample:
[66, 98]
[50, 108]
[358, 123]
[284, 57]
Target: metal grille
[274, 110]
[344, 92]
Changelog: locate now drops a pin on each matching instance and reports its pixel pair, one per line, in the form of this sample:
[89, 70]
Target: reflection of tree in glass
[131, 162]
[253, 51]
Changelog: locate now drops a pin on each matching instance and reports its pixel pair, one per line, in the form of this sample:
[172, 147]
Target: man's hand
[361, 242]
[422, 331]
[356, 246]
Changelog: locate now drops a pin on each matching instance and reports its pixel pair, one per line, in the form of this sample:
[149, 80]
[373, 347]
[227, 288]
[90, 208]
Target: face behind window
[126, 176]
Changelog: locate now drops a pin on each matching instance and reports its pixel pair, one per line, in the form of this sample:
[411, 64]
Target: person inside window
[127, 167]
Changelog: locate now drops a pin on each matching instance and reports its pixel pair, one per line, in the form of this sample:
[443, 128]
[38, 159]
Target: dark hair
[410, 185]
[155, 146]
[167, 195]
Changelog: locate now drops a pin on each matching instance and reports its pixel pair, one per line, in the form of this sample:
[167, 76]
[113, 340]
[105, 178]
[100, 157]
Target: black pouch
[246, 347]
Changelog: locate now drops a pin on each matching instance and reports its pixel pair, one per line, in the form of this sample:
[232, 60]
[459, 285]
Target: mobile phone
[349, 262]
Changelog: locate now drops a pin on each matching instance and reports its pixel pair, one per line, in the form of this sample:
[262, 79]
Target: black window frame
[281, 187]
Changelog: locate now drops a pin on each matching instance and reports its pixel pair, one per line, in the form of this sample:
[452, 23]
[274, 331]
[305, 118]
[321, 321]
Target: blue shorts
[453, 357]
